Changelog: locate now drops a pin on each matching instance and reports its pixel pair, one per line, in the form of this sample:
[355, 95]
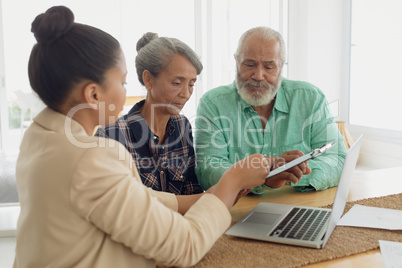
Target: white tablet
[301, 159]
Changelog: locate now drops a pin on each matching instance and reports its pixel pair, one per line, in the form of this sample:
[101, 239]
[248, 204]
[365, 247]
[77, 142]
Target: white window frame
[3, 94]
[370, 132]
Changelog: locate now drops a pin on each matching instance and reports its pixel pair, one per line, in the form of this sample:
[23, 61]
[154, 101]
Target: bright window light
[375, 88]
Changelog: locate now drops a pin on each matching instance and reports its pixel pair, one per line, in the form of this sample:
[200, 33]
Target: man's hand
[291, 175]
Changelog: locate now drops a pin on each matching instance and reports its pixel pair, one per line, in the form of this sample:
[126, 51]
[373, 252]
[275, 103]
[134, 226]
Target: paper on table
[391, 254]
[372, 217]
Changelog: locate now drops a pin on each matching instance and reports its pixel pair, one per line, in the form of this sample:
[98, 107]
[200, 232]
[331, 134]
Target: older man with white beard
[261, 112]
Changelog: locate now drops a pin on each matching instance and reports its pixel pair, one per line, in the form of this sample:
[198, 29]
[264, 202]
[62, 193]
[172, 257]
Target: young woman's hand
[247, 173]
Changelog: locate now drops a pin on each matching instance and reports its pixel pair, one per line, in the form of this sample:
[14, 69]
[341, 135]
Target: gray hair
[155, 54]
[265, 33]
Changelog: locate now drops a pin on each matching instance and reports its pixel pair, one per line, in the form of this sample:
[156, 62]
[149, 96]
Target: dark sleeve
[191, 185]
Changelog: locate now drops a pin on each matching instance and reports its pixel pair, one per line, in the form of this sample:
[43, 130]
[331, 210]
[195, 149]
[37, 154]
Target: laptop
[299, 225]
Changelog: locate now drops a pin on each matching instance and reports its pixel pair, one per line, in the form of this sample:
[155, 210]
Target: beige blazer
[83, 205]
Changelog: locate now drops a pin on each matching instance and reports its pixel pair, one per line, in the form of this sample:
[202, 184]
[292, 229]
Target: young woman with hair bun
[82, 201]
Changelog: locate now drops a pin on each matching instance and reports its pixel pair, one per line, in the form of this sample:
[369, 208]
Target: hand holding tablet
[301, 159]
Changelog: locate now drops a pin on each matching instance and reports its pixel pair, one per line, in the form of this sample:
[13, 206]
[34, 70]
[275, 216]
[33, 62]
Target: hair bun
[145, 39]
[55, 22]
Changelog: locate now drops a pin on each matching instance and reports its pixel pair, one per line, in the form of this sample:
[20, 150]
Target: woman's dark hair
[66, 54]
[155, 53]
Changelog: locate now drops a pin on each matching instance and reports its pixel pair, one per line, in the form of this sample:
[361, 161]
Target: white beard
[257, 98]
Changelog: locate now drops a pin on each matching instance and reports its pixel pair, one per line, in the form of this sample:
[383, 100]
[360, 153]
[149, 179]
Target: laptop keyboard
[302, 224]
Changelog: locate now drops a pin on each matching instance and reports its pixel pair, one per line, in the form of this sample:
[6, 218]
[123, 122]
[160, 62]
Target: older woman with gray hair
[157, 136]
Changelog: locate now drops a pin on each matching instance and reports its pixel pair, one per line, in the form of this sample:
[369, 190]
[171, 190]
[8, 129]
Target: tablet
[301, 159]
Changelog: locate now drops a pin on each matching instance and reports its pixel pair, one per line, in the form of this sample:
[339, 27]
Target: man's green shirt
[227, 129]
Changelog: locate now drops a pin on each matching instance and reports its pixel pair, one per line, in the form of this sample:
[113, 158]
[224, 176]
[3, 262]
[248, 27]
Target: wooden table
[365, 184]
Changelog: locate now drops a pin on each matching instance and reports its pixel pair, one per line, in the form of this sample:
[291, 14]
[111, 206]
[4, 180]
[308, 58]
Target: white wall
[315, 44]
[318, 52]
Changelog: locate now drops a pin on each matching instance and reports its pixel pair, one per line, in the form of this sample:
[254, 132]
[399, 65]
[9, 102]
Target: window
[219, 27]
[375, 89]
[126, 20]
[228, 20]
[211, 28]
